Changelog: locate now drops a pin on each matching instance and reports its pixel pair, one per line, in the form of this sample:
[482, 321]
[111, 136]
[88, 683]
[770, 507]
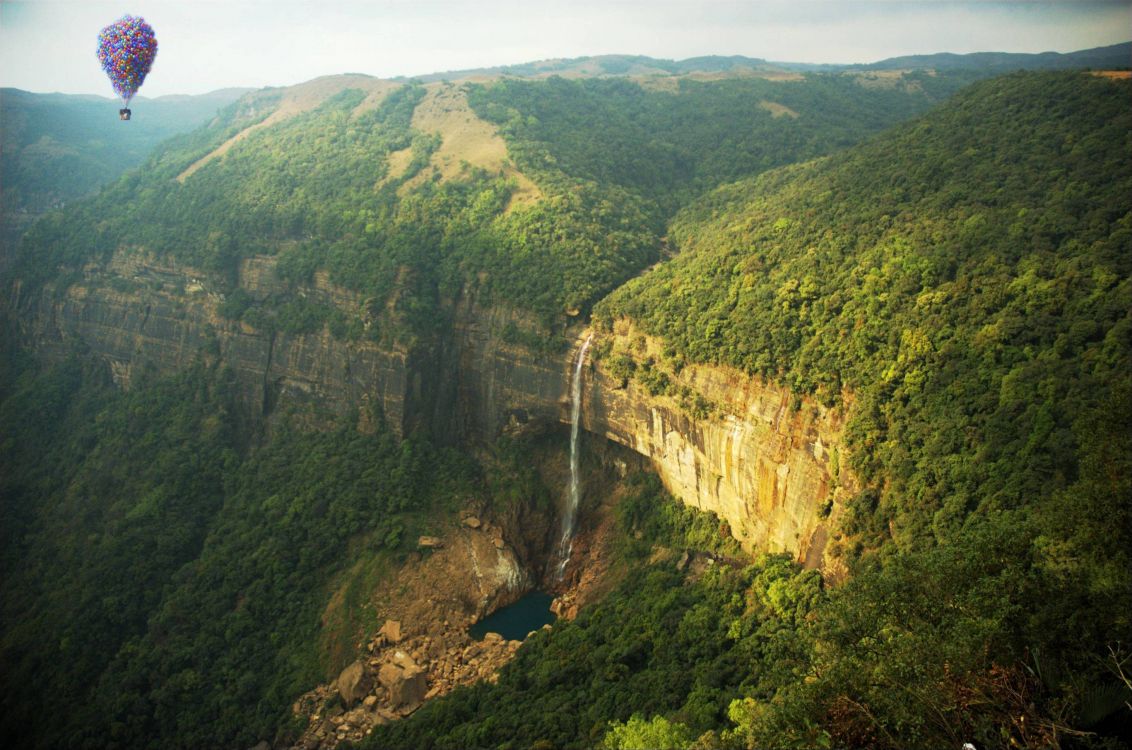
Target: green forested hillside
[164, 562]
[669, 145]
[966, 282]
[165, 583]
[1115, 56]
[965, 278]
[314, 187]
[951, 283]
[56, 148]
[979, 64]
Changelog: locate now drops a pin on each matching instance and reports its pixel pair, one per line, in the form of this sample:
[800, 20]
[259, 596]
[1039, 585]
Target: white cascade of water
[565, 546]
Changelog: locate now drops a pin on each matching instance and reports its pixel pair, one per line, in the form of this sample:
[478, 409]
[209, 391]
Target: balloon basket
[124, 114]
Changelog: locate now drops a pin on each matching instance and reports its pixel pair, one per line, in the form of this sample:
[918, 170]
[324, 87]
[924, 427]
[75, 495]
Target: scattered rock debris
[396, 677]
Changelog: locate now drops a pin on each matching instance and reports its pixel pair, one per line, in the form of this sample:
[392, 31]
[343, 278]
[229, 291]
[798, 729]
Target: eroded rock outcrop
[765, 460]
[138, 311]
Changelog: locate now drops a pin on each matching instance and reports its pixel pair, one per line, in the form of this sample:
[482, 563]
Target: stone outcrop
[765, 460]
[422, 649]
[140, 312]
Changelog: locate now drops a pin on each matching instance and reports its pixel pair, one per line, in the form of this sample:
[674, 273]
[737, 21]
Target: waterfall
[565, 545]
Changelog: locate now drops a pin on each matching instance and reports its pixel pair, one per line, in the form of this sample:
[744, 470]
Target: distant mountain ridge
[1113, 56]
[613, 65]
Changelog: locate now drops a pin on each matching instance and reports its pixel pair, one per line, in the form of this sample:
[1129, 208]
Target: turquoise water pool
[513, 622]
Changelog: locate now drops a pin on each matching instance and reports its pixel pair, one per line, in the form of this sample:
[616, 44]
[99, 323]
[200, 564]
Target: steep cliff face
[763, 459]
[141, 312]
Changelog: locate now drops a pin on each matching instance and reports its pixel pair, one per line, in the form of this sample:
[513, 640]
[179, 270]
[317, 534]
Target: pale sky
[49, 45]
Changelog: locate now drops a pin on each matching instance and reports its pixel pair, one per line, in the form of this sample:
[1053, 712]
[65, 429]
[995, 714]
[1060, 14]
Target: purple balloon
[126, 49]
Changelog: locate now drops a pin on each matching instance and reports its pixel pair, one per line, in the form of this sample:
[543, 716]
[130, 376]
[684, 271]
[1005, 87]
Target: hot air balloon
[126, 49]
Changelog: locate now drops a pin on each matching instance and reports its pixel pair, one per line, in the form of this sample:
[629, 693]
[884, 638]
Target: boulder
[407, 686]
[391, 631]
[353, 683]
[472, 522]
[430, 542]
[410, 691]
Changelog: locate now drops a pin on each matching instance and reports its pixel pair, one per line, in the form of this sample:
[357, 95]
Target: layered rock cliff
[138, 312]
[763, 459]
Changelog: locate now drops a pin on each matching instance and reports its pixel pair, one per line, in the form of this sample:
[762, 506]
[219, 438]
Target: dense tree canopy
[164, 584]
[954, 281]
[316, 188]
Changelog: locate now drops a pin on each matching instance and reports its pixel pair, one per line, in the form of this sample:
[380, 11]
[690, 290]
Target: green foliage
[924, 272]
[315, 189]
[980, 640]
[533, 340]
[608, 197]
[965, 280]
[667, 146]
[650, 518]
[956, 280]
[57, 148]
[111, 497]
[657, 733]
[177, 584]
[235, 304]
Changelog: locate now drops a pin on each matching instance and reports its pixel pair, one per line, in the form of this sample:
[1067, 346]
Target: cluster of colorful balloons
[126, 49]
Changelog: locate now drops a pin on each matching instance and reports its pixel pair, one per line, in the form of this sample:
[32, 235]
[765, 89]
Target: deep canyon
[765, 460]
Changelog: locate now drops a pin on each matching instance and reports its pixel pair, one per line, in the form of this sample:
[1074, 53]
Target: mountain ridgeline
[936, 273]
[978, 64]
[323, 188]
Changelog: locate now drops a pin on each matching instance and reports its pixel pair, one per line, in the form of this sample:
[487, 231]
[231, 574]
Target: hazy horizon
[49, 45]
